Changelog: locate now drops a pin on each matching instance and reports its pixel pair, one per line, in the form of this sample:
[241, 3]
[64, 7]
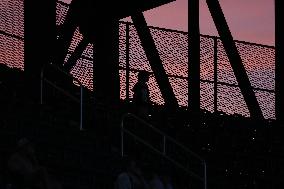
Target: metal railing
[44, 79]
[165, 140]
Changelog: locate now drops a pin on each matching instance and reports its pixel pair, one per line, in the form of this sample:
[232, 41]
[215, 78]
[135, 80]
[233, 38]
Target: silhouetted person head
[25, 146]
[25, 170]
[130, 164]
[3, 71]
[141, 95]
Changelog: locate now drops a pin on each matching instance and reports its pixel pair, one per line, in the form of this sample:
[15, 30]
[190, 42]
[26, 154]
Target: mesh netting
[259, 61]
[12, 32]
[12, 17]
[11, 51]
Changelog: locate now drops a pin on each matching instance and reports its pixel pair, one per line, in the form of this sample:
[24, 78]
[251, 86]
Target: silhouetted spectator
[167, 181]
[25, 171]
[141, 96]
[131, 178]
[156, 182]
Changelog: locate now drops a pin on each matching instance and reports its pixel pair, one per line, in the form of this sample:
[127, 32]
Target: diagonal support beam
[154, 59]
[193, 56]
[279, 62]
[235, 59]
[76, 54]
[66, 32]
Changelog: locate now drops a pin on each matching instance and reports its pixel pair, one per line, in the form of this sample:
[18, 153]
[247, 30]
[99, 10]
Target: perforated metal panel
[12, 17]
[259, 61]
[207, 58]
[61, 12]
[207, 96]
[12, 33]
[11, 52]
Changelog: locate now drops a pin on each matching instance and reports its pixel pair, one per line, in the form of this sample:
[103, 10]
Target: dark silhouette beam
[40, 38]
[106, 82]
[154, 60]
[80, 13]
[279, 62]
[193, 56]
[106, 62]
[71, 62]
[235, 59]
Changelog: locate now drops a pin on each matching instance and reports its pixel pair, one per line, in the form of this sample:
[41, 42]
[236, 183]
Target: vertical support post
[127, 61]
[215, 74]
[205, 175]
[279, 77]
[106, 67]
[106, 83]
[279, 62]
[193, 56]
[81, 107]
[40, 39]
[235, 59]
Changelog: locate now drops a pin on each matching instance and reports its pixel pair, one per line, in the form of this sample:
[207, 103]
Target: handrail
[205, 81]
[168, 158]
[43, 79]
[163, 152]
[159, 132]
[63, 71]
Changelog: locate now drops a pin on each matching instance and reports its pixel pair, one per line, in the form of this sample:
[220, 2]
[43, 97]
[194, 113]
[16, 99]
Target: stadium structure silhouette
[67, 73]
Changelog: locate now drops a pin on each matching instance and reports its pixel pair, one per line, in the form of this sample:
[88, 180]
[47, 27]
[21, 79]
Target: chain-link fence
[219, 87]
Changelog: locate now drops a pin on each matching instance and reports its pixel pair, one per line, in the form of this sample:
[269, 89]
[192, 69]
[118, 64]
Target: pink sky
[249, 20]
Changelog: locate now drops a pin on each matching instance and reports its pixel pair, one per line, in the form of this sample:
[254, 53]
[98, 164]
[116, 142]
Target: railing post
[215, 74]
[205, 174]
[127, 61]
[81, 107]
[164, 145]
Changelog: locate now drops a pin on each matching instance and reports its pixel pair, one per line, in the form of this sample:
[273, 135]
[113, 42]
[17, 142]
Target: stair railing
[44, 80]
[163, 152]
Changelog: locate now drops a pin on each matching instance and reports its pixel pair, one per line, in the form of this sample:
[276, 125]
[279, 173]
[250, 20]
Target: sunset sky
[249, 20]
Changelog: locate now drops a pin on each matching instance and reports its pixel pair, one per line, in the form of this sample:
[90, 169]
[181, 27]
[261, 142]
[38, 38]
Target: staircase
[148, 139]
